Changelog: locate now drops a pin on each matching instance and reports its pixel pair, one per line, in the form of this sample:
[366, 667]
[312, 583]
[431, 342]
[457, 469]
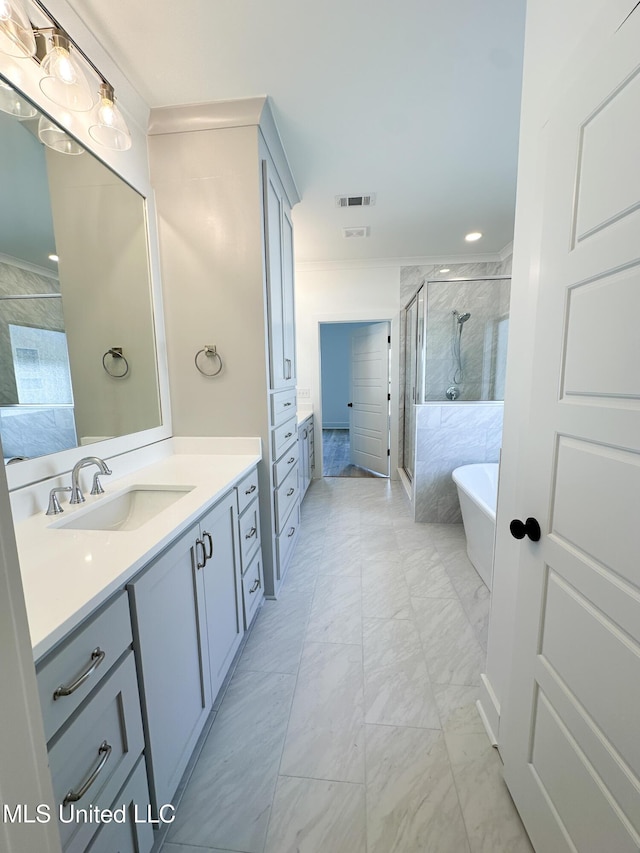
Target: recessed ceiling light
[445, 269]
[473, 236]
[54, 258]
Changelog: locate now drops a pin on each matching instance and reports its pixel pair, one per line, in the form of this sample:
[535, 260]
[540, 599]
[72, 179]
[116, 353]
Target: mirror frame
[133, 168]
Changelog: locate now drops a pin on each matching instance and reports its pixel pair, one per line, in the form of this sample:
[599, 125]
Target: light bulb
[16, 32]
[63, 80]
[109, 127]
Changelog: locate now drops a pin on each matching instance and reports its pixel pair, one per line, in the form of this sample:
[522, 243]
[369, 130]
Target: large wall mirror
[77, 342]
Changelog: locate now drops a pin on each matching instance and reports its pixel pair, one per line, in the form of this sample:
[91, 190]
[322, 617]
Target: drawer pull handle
[209, 537]
[251, 533]
[256, 585]
[288, 435]
[200, 564]
[287, 404]
[290, 492]
[291, 532]
[251, 490]
[97, 656]
[73, 796]
[291, 461]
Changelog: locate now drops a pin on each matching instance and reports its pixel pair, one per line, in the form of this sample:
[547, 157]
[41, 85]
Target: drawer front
[285, 464]
[285, 542]
[252, 589]
[135, 834]
[286, 496]
[281, 437]
[283, 405]
[247, 490]
[96, 753]
[81, 662]
[249, 526]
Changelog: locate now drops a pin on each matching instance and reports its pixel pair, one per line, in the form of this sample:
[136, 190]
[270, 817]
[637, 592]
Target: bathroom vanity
[134, 630]
[307, 450]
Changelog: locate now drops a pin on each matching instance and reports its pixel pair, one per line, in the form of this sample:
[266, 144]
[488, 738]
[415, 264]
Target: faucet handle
[96, 488]
[54, 507]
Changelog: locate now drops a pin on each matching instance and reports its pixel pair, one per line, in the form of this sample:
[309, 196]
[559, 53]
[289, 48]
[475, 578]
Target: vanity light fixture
[63, 79]
[16, 32]
[473, 236]
[11, 102]
[109, 128]
[53, 136]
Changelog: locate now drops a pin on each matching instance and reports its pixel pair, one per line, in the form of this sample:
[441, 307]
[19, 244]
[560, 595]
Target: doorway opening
[355, 393]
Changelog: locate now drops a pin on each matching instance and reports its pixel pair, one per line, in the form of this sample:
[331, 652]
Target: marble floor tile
[412, 803]
[457, 707]
[454, 655]
[325, 736]
[336, 612]
[277, 636]
[342, 564]
[425, 575]
[238, 763]
[385, 594]
[492, 822]
[313, 816]
[397, 691]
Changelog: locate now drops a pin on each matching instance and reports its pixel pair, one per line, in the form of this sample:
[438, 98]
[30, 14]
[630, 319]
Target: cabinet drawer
[282, 435]
[286, 462]
[286, 541]
[247, 490]
[83, 661]
[285, 497]
[96, 753]
[249, 526]
[252, 589]
[283, 405]
[135, 835]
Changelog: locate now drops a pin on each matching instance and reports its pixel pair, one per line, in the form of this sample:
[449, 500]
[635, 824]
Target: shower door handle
[530, 527]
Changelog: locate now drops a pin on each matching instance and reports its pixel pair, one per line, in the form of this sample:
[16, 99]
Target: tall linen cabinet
[224, 193]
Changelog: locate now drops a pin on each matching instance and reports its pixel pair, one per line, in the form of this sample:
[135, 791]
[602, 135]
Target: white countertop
[303, 415]
[67, 574]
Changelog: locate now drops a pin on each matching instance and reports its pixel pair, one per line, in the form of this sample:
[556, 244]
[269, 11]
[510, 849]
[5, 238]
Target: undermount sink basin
[126, 511]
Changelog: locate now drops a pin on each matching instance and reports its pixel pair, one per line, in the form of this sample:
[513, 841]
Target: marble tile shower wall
[411, 278]
[447, 436]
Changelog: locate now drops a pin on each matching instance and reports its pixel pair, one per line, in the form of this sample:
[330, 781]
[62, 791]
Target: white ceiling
[416, 101]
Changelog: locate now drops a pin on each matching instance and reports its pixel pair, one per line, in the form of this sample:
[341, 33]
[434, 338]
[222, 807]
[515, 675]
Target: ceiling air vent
[356, 231]
[355, 200]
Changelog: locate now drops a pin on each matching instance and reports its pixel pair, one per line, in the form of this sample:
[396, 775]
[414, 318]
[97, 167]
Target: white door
[571, 741]
[369, 418]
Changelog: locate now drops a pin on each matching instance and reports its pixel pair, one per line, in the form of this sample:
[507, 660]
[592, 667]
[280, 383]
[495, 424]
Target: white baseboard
[335, 425]
[489, 709]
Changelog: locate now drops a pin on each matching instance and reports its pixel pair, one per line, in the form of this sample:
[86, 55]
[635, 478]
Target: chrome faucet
[76, 492]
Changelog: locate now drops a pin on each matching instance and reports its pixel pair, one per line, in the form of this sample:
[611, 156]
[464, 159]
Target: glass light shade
[109, 127]
[16, 32]
[55, 137]
[14, 104]
[63, 80]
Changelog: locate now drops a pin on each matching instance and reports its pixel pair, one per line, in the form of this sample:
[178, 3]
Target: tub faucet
[76, 492]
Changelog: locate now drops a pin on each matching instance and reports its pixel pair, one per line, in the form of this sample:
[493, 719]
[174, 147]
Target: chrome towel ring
[210, 351]
[116, 355]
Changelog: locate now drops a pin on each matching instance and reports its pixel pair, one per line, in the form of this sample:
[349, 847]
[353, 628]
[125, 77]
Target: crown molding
[379, 263]
[27, 267]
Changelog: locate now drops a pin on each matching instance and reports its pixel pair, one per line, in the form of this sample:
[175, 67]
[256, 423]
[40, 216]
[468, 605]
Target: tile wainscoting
[449, 435]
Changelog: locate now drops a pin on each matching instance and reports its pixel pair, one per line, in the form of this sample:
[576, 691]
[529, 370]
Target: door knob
[520, 529]
[350, 405]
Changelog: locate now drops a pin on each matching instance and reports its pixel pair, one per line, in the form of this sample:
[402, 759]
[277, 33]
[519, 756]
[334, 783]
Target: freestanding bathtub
[478, 493]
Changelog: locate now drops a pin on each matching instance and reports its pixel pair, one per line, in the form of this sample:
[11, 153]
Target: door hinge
[388, 451]
[388, 396]
[388, 339]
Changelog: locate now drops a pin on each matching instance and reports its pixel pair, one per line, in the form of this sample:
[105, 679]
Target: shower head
[461, 318]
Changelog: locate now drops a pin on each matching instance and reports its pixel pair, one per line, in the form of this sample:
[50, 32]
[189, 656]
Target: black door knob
[530, 527]
[350, 405]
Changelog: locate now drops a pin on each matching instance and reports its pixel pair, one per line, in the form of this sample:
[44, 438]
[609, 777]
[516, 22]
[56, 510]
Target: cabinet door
[222, 589]
[279, 263]
[172, 654]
